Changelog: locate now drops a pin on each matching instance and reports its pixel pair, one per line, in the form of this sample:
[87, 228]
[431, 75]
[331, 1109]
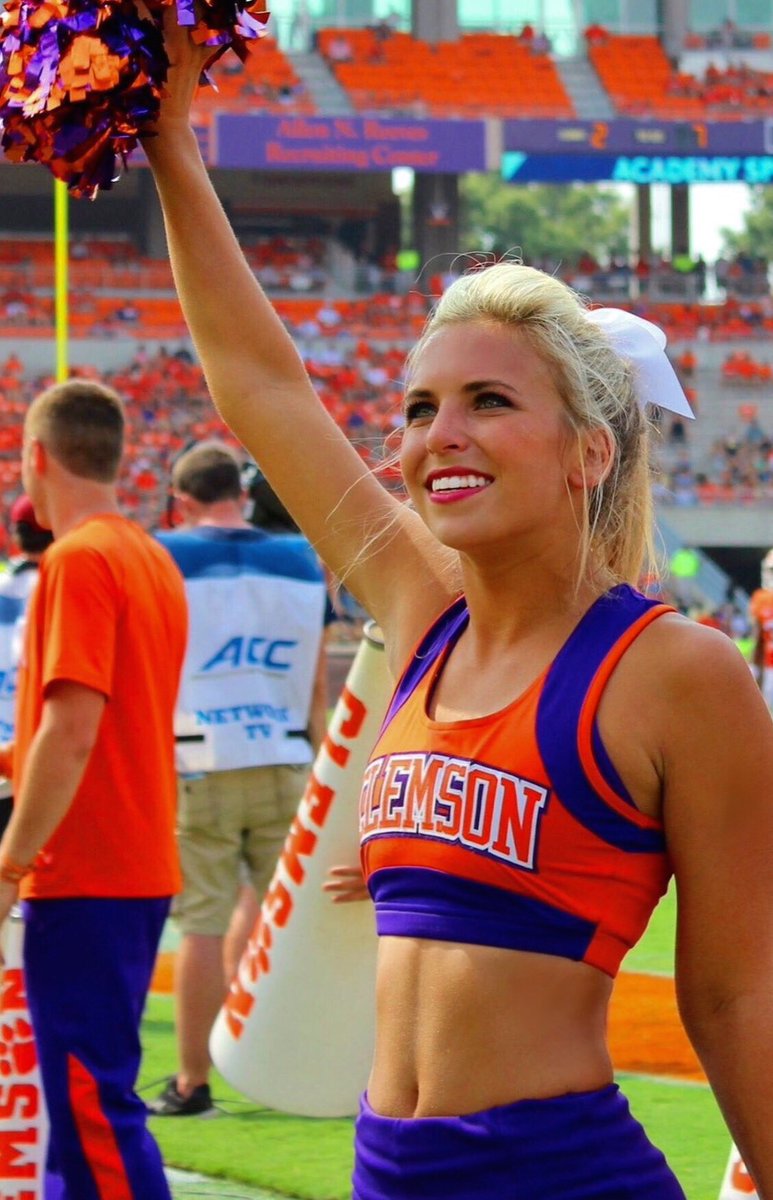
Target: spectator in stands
[683, 484]
[728, 35]
[596, 34]
[712, 618]
[288, 93]
[301, 279]
[677, 431]
[127, 312]
[754, 434]
[339, 49]
[384, 28]
[328, 316]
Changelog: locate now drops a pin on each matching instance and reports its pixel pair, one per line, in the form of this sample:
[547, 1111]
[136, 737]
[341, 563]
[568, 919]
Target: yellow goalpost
[61, 249]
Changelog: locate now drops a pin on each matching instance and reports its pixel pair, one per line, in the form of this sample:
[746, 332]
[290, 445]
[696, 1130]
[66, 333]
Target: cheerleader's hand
[344, 884]
[187, 60]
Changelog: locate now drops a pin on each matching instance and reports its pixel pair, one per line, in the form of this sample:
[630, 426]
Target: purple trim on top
[558, 715]
[425, 903]
[607, 767]
[448, 627]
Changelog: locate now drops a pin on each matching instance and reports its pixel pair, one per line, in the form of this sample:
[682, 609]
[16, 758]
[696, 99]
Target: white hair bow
[644, 345]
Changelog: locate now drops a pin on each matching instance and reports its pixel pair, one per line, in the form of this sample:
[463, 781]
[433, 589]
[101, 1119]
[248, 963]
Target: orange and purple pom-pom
[81, 80]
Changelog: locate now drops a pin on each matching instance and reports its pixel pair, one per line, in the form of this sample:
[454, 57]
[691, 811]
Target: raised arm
[718, 768]
[260, 386]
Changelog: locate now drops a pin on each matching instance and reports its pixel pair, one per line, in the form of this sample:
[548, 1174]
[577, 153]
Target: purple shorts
[88, 963]
[582, 1146]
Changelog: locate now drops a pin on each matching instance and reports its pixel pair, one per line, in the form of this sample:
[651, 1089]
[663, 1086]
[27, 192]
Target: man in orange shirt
[761, 613]
[90, 847]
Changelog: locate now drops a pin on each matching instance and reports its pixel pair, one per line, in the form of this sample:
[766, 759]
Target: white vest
[251, 659]
[16, 588]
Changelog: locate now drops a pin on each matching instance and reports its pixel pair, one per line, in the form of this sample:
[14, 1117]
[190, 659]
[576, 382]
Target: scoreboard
[644, 151]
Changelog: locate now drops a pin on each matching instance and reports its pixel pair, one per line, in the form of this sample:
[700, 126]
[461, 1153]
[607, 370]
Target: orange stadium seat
[634, 71]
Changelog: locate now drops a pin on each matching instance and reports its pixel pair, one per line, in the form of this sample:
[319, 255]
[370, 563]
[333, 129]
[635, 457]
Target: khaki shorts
[231, 826]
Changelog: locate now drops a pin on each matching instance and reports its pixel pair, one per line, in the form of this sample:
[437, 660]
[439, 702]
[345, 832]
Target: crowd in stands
[742, 367]
[355, 346]
[730, 320]
[168, 405]
[682, 275]
[292, 264]
[282, 262]
[641, 81]
[153, 317]
[721, 92]
[354, 350]
[535, 40]
[737, 468]
[736, 471]
[115, 290]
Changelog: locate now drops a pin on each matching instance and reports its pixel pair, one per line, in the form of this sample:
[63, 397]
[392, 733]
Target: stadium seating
[481, 74]
[267, 81]
[640, 81]
[113, 289]
[635, 73]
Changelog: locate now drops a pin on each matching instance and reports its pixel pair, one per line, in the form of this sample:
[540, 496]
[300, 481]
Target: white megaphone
[296, 1030]
[737, 1183]
[23, 1117]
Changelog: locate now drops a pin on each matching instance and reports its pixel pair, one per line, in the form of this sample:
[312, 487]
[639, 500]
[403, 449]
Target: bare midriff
[464, 1028]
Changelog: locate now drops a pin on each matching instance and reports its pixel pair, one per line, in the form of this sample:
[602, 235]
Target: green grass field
[311, 1159]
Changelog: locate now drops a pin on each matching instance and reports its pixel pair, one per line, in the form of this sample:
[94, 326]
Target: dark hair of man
[80, 423]
[268, 511]
[31, 539]
[207, 473]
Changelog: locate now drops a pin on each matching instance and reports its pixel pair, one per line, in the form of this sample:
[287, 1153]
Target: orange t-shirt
[761, 609]
[109, 612]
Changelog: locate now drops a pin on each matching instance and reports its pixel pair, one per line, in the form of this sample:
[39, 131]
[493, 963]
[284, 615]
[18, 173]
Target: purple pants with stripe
[88, 965]
[583, 1146]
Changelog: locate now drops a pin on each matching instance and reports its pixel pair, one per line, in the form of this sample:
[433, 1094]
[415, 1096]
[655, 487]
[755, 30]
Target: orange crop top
[514, 829]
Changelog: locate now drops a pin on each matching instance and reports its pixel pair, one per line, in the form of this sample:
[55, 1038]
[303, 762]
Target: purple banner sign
[644, 137]
[347, 144]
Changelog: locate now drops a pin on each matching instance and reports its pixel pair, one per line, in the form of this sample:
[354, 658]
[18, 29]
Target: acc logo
[251, 652]
[8, 684]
